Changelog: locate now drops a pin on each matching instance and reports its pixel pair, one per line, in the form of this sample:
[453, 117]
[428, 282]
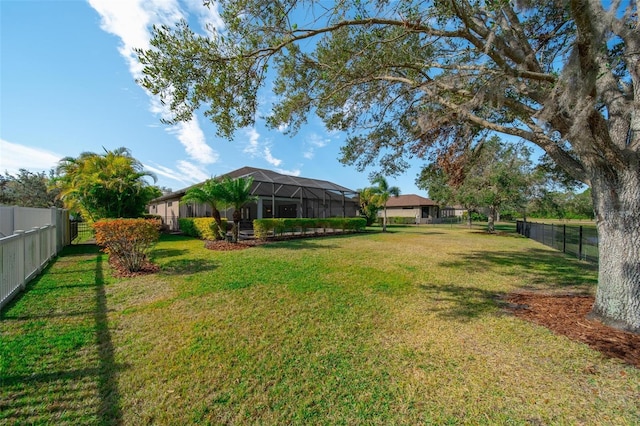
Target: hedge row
[262, 228]
[201, 227]
[397, 220]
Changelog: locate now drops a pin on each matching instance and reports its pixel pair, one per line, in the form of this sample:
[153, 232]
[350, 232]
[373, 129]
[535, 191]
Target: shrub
[127, 241]
[263, 227]
[201, 227]
[475, 216]
[397, 220]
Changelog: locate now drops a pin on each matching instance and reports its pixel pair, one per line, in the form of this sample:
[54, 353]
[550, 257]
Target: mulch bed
[567, 315]
[227, 246]
[120, 271]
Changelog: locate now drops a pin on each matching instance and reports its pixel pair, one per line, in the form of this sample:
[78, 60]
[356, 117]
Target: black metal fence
[80, 232]
[580, 241]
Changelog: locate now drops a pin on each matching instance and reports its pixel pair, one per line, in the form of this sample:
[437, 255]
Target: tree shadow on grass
[60, 368]
[187, 266]
[461, 303]
[162, 253]
[297, 244]
[545, 269]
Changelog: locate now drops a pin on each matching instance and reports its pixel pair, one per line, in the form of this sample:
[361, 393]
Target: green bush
[475, 216]
[397, 220]
[201, 227]
[262, 228]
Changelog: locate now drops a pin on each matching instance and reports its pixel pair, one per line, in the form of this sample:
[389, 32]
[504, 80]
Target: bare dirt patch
[567, 315]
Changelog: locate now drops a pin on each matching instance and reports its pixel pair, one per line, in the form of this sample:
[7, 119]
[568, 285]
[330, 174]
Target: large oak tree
[429, 78]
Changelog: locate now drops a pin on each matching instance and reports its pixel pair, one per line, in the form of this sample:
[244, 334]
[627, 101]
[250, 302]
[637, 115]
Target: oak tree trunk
[616, 199]
[491, 220]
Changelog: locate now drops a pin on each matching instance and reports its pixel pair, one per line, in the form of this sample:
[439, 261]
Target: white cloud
[313, 142]
[295, 172]
[208, 16]
[253, 147]
[270, 158]
[192, 137]
[131, 21]
[257, 149]
[166, 172]
[14, 157]
[192, 172]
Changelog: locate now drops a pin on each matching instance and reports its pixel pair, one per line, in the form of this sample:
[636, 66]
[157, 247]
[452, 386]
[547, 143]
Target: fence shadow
[58, 357]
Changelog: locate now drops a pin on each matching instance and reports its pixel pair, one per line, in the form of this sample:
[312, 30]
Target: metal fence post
[564, 238]
[580, 244]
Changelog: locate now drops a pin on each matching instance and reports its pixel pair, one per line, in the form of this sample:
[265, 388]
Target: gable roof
[268, 182]
[410, 200]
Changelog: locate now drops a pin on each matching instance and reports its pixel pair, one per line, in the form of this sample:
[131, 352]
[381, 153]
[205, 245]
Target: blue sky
[67, 85]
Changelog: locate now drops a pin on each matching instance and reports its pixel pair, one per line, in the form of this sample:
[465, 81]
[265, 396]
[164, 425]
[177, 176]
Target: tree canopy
[496, 176]
[108, 185]
[28, 189]
[430, 79]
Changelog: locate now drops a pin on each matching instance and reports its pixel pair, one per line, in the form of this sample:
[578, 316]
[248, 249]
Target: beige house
[423, 210]
[278, 196]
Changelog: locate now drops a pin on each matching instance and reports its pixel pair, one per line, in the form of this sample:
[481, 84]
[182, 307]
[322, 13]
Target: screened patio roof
[268, 183]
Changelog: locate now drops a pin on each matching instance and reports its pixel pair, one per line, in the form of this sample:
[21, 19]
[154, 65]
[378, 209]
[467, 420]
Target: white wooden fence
[24, 255]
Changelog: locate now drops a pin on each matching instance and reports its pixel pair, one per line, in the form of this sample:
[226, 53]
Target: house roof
[410, 200]
[268, 182]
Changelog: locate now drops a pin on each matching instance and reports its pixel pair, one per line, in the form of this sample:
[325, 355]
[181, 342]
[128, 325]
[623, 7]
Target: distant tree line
[28, 189]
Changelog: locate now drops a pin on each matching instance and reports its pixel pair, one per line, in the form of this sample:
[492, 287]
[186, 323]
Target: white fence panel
[31, 254]
[24, 255]
[14, 218]
[11, 267]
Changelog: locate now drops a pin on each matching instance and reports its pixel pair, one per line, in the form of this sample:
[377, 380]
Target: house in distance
[279, 196]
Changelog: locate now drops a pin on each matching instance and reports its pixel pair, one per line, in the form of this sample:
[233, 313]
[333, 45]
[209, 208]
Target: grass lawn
[405, 327]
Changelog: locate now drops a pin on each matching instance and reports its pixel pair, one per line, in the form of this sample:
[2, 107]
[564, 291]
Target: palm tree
[369, 204]
[236, 193]
[383, 193]
[210, 192]
[108, 185]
